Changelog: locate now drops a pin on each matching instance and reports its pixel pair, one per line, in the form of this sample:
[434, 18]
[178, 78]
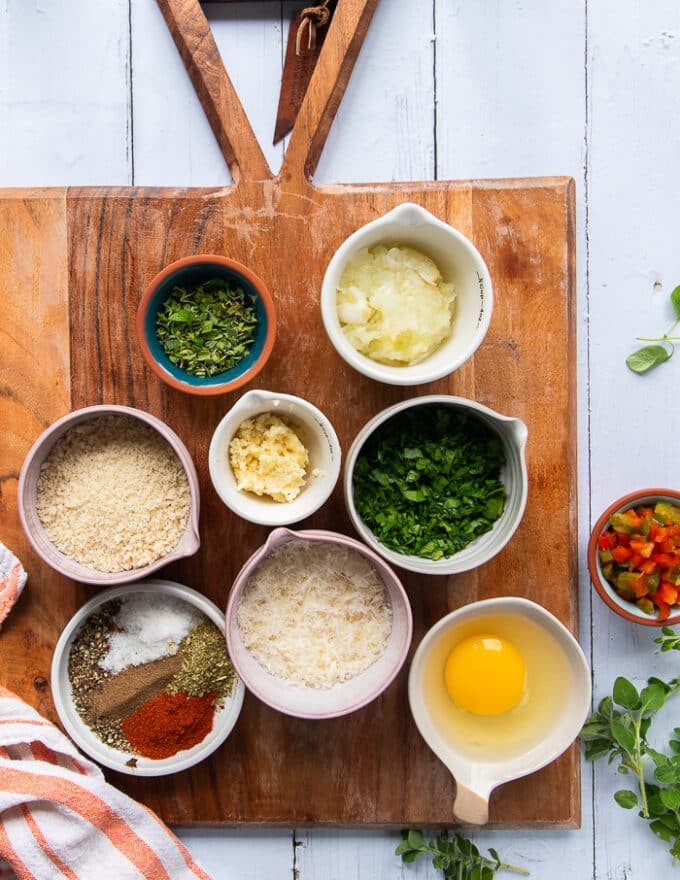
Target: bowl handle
[470, 806]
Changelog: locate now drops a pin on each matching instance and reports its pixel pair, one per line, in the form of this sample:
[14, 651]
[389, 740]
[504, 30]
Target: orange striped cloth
[61, 820]
[12, 581]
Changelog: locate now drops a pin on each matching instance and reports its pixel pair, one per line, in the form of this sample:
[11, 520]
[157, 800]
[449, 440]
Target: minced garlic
[268, 458]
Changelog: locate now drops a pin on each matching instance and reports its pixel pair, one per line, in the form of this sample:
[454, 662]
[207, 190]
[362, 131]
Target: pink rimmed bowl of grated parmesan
[108, 495]
[317, 624]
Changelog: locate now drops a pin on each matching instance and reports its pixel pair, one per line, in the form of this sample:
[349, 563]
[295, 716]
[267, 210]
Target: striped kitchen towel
[61, 820]
[12, 581]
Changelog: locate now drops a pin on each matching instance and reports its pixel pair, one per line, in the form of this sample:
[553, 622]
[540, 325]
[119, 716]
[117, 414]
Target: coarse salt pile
[113, 495]
[151, 627]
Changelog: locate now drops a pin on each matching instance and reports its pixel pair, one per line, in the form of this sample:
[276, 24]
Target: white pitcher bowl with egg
[485, 751]
[459, 263]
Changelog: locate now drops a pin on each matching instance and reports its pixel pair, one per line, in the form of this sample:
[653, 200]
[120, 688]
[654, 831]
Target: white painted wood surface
[95, 93]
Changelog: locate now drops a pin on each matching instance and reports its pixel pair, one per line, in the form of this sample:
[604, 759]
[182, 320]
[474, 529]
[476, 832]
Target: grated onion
[393, 304]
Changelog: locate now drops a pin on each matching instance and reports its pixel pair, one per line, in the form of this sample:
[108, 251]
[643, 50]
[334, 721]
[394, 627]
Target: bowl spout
[471, 806]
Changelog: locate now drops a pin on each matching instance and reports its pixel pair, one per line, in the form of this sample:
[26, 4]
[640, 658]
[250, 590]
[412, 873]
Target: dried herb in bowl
[206, 329]
[427, 481]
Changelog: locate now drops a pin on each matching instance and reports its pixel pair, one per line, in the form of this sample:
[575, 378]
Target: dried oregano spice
[206, 329]
[206, 667]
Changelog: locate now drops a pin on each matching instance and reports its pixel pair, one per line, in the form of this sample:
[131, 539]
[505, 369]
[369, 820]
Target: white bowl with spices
[406, 299]
[317, 624]
[158, 622]
[108, 495]
[274, 458]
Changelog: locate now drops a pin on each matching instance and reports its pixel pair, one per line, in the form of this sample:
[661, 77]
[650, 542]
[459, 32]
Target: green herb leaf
[626, 799]
[675, 302]
[625, 694]
[648, 357]
[652, 697]
[623, 736]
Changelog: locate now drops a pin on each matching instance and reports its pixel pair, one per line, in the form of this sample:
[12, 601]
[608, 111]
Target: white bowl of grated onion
[317, 646]
[406, 299]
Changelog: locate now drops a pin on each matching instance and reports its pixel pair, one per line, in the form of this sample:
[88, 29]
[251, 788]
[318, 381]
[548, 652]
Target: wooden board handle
[341, 47]
[193, 37]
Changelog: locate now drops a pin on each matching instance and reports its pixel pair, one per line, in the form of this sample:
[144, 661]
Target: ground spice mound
[113, 495]
[148, 672]
[167, 723]
[125, 692]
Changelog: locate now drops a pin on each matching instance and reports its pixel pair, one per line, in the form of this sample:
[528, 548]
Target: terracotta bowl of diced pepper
[634, 556]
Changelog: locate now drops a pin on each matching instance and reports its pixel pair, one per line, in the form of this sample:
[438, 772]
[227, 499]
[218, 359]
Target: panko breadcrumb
[113, 495]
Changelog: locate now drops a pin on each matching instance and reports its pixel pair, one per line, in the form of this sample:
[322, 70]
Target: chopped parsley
[427, 481]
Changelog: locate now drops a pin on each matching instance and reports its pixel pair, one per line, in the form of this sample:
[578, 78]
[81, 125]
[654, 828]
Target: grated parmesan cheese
[113, 495]
[268, 458]
[315, 613]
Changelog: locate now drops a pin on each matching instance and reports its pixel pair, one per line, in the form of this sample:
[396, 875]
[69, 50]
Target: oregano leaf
[626, 799]
[670, 798]
[415, 839]
[675, 302]
[652, 697]
[625, 694]
[648, 357]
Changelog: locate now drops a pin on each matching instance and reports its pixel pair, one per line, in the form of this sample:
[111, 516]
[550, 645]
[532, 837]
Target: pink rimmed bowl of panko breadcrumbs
[108, 495]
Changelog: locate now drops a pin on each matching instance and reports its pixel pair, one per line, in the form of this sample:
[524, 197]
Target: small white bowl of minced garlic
[274, 458]
[406, 299]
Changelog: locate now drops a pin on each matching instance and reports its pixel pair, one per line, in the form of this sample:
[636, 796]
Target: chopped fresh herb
[206, 329]
[427, 482]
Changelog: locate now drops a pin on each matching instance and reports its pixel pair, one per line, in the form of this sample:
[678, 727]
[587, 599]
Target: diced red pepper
[606, 541]
[663, 560]
[667, 593]
[641, 549]
[659, 533]
[644, 548]
[622, 554]
[664, 607]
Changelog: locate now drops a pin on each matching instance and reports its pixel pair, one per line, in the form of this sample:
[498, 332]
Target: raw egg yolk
[485, 675]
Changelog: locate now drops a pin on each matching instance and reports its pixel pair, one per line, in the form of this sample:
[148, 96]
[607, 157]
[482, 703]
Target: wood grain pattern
[274, 768]
[34, 391]
[371, 767]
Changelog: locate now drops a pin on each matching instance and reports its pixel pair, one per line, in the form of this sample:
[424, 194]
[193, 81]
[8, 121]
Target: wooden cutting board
[73, 263]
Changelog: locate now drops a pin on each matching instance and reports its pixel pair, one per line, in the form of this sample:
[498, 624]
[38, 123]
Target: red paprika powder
[168, 723]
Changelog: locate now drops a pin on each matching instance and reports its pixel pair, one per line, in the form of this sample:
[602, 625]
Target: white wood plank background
[94, 93]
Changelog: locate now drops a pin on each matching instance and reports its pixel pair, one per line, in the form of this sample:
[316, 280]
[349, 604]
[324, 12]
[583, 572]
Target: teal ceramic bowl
[188, 272]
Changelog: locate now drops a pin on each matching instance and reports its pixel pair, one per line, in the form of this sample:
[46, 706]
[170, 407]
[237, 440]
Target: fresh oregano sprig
[650, 356]
[669, 640]
[456, 856]
[621, 734]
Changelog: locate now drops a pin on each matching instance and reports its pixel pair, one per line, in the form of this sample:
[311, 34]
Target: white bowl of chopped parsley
[206, 324]
[437, 484]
